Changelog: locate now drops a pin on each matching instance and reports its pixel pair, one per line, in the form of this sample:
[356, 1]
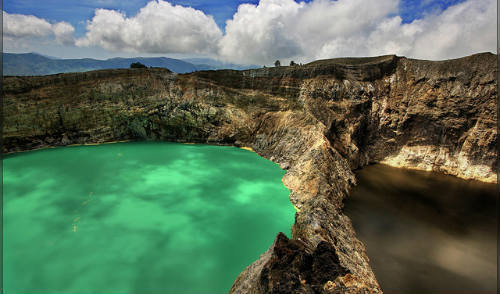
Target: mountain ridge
[35, 64]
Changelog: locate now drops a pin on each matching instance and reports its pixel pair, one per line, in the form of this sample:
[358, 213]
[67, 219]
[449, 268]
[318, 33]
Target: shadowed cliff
[318, 121]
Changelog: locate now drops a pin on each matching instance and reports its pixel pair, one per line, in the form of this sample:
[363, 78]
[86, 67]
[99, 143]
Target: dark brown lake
[426, 232]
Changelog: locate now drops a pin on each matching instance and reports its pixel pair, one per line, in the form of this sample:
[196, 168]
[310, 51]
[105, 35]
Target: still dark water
[426, 232]
[138, 218]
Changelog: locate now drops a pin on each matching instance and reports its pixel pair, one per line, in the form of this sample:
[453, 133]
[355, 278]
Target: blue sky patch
[78, 12]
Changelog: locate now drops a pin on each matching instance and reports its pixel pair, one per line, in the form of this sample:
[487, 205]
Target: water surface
[138, 218]
[426, 232]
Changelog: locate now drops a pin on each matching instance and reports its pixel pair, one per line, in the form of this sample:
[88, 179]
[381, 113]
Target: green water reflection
[138, 218]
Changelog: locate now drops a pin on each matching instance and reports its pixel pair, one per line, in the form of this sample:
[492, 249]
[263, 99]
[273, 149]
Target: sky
[250, 31]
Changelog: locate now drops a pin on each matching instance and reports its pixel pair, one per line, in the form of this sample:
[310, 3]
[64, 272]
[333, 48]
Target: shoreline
[489, 180]
[247, 148]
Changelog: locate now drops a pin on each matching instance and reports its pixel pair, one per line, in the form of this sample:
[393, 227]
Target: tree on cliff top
[277, 63]
[137, 65]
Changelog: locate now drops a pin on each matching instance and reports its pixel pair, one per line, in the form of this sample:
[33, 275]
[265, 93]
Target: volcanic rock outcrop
[319, 122]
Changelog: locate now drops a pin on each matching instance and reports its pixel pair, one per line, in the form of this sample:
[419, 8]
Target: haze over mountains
[29, 64]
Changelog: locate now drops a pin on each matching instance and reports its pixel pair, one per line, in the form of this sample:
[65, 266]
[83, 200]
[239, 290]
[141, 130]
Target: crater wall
[318, 121]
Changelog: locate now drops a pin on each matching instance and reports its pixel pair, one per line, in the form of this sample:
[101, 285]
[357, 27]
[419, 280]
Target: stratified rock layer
[319, 122]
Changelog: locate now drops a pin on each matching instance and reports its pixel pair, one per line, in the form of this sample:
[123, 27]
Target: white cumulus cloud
[17, 27]
[464, 29]
[159, 27]
[63, 32]
[460, 30]
[287, 30]
[275, 29]
[262, 32]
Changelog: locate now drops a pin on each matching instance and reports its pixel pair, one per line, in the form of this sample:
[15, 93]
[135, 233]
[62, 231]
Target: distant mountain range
[31, 64]
[211, 64]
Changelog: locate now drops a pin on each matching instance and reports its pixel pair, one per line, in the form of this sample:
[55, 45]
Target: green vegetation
[137, 65]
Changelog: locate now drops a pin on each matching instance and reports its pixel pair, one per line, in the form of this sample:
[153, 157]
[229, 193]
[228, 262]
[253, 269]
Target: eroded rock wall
[319, 122]
[437, 116]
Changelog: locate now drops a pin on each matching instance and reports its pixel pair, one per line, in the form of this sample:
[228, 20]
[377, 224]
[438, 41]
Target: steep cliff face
[319, 122]
[426, 115]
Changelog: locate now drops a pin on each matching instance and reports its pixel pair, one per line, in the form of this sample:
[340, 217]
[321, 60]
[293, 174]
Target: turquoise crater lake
[149, 218]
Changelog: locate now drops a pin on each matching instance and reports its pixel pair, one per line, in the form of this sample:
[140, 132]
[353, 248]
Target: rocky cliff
[319, 121]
